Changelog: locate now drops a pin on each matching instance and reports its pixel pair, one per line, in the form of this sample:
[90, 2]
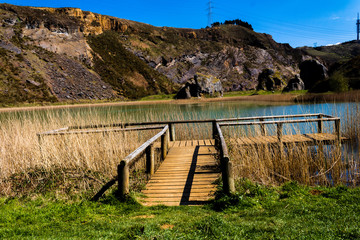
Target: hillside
[343, 61]
[58, 54]
[335, 53]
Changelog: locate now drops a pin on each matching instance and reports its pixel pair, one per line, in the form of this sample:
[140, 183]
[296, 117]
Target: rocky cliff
[56, 54]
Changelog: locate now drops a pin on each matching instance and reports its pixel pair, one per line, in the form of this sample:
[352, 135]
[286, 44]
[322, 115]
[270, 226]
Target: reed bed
[310, 165]
[74, 163]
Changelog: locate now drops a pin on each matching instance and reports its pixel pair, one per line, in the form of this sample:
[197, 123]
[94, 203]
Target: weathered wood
[227, 175]
[150, 159]
[228, 124]
[123, 179]
[164, 145]
[337, 130]
[101, 131]
[135, 154]
[279, 131]
[172, 132]
[226, 165]
[262, 127]
[320, 124]
[185, 178]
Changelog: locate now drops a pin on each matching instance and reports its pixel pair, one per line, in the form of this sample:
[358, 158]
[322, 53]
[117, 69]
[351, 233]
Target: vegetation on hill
[233, 22]
[123, 70]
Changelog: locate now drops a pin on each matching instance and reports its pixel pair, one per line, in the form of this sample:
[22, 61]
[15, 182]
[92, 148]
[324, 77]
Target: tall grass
[310, 165]
[82, 163]
[74, 163]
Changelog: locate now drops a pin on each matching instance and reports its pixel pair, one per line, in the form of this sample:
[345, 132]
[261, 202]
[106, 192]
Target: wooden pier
[186, 177]
[190, 168]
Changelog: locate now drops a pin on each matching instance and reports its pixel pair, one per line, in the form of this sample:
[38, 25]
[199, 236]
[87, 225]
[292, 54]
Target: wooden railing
[225, 163]
[321, 118]
[148, 148]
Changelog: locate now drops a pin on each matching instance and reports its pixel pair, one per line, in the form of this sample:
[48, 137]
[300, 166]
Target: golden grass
[82, 163]
[309, 165]
[87, 160]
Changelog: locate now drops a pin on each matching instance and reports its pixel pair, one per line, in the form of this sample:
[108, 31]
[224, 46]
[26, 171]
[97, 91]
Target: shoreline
[275, 98]
[351, 96]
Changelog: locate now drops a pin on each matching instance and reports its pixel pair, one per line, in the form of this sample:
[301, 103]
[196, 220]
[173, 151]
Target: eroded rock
[311, 72]
[199, 85]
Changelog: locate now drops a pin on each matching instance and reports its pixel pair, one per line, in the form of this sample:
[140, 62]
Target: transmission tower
[358, 27]
[210, 7]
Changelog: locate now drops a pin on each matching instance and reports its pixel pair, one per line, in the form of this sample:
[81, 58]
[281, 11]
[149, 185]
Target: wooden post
[123, 179]
[262, 127]
[337, 130]
[227, 175]
[40, 140]
[279, 131]
[172, 131]
[320, 124]
[215, 133]
[164, 145]
[150, 159]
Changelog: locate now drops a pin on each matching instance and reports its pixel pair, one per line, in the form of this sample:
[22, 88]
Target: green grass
[158, 97]
[254, 212]
[260, 92]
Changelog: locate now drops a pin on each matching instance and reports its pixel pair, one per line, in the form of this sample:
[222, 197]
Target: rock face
[295, 84]
[269, 80]
[311, 72]
[110, 57]
[200, 85]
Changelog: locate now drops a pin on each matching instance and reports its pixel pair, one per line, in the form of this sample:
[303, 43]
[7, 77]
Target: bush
[338, 83]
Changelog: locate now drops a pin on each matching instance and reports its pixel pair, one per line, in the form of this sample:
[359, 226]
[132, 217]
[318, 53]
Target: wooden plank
[170, 182]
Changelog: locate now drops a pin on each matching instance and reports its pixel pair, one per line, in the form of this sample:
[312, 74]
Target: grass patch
[158, 97]
[290, 211]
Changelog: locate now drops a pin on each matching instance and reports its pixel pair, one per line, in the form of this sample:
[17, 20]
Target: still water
[209, 110]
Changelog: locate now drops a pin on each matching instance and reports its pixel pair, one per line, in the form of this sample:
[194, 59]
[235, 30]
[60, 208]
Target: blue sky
[297, 22]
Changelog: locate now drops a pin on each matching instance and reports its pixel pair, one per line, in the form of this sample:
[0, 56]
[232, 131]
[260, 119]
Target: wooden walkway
[186, 177]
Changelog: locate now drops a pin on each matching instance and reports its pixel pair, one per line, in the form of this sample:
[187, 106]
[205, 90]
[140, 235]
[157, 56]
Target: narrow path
[186, 177]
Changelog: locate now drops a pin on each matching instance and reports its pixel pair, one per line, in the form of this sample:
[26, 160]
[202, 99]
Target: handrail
[98, 131]
[283, 121]
[123, 167]
[226, 164]
[143, 147]
[194, 121]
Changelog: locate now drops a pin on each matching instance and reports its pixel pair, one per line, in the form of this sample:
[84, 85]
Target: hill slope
[56, 54]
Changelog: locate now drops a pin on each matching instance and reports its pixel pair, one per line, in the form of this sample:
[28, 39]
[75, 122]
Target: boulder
[295, 84]
[270, 80]
[311, 72]
[199, 85]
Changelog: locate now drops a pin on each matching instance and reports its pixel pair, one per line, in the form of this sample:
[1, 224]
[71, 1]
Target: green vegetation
[129, 75]
[158, 97]
[254, 212]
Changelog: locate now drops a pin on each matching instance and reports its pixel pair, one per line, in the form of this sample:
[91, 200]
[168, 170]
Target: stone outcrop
[311, 72]
[269, 80]
[134, 59]
[295, 84]
[199, 85]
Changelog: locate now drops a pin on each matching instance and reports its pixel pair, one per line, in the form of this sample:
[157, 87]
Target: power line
[210, 8]
[358, 27]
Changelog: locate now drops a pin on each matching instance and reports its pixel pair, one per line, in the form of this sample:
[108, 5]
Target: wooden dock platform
[186, 177]
[189, 167]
